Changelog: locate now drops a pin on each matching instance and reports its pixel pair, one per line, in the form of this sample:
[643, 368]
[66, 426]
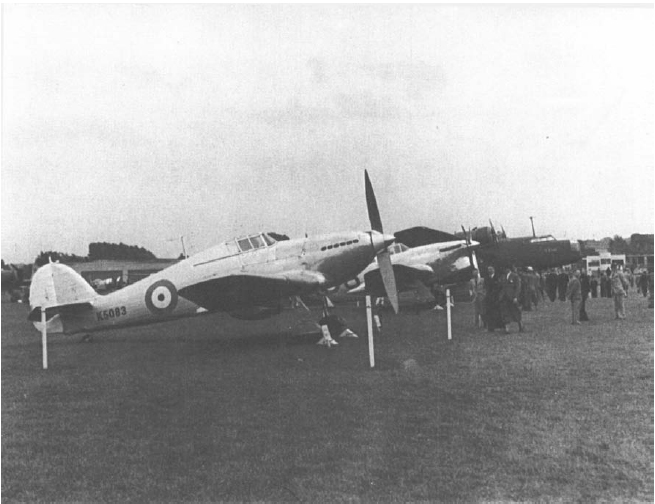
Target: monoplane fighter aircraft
[246, 277]
[495, 248]
[420, 269]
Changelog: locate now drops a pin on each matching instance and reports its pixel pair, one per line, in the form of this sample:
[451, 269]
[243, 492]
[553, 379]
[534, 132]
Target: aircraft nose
[381, 241]
[388, 239]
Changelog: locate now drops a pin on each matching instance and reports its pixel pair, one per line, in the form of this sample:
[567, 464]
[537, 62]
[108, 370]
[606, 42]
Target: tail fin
[58, 289]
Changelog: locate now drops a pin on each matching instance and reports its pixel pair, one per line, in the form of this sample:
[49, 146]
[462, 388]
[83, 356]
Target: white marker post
[448, 305]
[44, 339]
[369, 320]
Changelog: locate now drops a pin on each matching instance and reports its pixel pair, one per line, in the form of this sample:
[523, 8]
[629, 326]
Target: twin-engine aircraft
[246, 277]
[420, 269]
[496, 249]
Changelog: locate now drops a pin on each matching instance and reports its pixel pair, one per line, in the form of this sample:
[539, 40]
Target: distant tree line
[638, 244]
[54, 256]
[97, 251]
[103, 250]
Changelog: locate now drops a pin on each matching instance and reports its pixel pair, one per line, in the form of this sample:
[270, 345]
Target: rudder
[58, 288]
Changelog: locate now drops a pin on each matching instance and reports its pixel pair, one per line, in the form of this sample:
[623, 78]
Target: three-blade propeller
[384, 261]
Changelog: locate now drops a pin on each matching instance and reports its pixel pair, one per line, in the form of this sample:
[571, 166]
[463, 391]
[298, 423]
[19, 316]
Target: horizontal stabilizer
[69, 310]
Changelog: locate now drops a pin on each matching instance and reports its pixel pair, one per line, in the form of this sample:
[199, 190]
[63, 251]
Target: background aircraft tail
[60, 290]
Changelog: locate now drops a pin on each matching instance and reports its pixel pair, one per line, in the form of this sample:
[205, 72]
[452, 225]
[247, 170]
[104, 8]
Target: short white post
[44, 339]
[369, 320]
[448, 305]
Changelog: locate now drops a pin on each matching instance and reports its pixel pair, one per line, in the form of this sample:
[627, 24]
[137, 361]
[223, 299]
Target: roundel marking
[161, 297]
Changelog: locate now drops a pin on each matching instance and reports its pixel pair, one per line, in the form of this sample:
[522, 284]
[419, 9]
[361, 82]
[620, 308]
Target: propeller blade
[384, 261]
[388, 278]
[372, 204]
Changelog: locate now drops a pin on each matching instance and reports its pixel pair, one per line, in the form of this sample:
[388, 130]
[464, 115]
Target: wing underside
[238, 291]
[407, 278]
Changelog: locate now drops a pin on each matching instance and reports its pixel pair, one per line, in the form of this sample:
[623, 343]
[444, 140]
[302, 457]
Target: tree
[641, 243]
[54, 256]
[103, 250]
[619, 246]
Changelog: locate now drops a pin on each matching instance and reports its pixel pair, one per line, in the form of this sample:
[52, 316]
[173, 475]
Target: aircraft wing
[406, 278]
[238, 291]
[419, 236]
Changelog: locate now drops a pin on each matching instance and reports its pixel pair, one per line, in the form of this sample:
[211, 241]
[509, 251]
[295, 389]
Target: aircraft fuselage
[324, 261]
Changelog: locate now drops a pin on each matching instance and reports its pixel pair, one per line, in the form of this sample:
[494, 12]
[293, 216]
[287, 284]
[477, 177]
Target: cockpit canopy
[254, 241]
[397, 248]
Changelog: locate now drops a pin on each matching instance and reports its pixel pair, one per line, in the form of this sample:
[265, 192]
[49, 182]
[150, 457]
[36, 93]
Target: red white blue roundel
[161, 297]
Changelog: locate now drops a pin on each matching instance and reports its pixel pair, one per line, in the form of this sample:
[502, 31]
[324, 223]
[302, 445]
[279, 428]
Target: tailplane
[60, 290]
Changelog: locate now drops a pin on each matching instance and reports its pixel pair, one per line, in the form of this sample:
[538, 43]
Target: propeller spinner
[384, 260]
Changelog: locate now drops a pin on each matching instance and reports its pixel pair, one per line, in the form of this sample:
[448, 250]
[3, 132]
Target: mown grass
[213, 409]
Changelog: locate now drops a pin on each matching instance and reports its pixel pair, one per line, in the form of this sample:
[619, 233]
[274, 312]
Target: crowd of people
[499, 298]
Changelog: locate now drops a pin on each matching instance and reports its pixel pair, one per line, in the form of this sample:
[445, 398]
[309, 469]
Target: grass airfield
[214, 409]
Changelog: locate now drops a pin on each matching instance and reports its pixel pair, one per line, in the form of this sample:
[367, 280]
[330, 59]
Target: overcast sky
[141, 123]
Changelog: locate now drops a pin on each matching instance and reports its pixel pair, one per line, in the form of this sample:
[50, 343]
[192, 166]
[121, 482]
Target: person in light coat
[477, 293]
[619, 287]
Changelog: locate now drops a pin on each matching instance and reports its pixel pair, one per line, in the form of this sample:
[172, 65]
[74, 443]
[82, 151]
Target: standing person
[533, 287]
[619, 286]
[551, 285]
[525, 300]
[510, 308]
[562, 281]
[574, 294]
[643, 282]
[604, 286]
[585, 288]
[477, 293]
[594, 284]
[541, 282]
[492, 294]
[627, 273]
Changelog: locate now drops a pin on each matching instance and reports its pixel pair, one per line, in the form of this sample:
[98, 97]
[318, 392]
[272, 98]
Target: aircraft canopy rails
[397, 248]
[542, 239]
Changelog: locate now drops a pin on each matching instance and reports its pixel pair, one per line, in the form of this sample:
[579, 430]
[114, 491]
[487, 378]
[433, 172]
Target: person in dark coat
[525, 299]
[492, 288]
[643, 283]
[605, 287]
[594, 285]
[562, 283]
[574, 294]
[585, 288]
[551, 285]
[510, 292]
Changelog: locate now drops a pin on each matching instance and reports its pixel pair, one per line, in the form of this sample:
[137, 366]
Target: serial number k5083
[119, 311]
